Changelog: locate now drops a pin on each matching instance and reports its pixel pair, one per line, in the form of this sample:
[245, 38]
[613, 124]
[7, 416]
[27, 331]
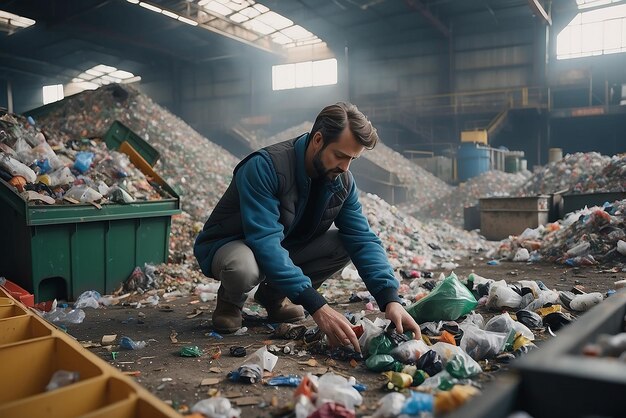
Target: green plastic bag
[383, 363]
[462, 367]
[381, 344]
[448, 301]
[190, 351]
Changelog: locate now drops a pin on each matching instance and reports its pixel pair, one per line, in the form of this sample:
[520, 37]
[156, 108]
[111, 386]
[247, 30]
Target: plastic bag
[16, 168]
[83, 193]
[461, 367]
[481, 344]
[371, 330]
[447, 352]
[390, 405]
[521, 255]
[530, 319]
[502, 296]
[61, 177]
[88, 299]
[43, 152]
[380, 344]
[430, 362]
[545, 297]
[476, 319]
[505, 324]
[582, 303]
[62, 378]
[335, 388]
[59, 315]
[383, 363]
[449, 300]
[24, 152]
[119, 195]
[263, 358]
[409, 351]
[83, 161]
[216, 408]
[418, 403]
[129, 344]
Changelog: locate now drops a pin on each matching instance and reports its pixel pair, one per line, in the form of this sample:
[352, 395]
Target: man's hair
[333, 119]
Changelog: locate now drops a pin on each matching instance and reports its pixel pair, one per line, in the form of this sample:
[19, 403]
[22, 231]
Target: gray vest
[224, 223]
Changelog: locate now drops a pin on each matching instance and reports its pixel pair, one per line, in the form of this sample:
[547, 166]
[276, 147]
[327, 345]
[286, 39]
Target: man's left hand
[402, 320]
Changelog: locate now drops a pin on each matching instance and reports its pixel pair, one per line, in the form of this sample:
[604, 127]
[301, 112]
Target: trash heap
[48, 171]
[572, 172]
[411, 244]
[197, 169]
[586, 237]
[432, 375]
[492, 183]
[423, 186]
[612, 178]
[289, 133]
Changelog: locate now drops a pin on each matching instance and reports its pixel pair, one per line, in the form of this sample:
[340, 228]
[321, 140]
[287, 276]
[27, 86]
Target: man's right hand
[336, 327]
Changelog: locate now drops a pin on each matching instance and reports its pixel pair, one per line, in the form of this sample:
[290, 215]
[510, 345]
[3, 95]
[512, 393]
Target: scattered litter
[129, 344]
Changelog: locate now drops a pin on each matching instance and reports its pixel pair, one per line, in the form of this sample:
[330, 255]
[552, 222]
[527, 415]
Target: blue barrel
[472, 160]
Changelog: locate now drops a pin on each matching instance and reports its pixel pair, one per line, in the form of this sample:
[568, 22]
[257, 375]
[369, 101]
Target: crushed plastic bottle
[292, 381]
[129, 344]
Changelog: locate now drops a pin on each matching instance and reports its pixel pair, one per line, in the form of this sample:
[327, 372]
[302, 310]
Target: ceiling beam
[432, 19]
[538, 10]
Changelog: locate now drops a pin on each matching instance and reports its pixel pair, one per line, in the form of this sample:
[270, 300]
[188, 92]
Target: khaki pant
[235, 266]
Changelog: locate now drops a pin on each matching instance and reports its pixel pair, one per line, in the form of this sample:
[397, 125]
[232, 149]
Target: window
[304, 74]
[52, 93]
[596, 32]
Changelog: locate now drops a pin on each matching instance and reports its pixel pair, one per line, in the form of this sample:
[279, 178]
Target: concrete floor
[160, 368]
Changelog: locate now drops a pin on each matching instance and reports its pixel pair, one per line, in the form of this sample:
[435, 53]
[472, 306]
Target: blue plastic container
[472, 160]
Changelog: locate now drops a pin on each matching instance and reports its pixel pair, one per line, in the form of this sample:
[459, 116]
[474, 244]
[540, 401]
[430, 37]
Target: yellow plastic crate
[21, 329]
[10, 309]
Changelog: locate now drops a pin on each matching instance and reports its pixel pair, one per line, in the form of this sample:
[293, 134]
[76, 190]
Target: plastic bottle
[293, 381]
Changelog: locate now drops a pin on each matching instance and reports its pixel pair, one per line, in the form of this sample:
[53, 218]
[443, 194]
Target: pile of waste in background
[569, 173]
[492, 183]
[422, 185]
[586, 237]
[197, 169]
[612, 178]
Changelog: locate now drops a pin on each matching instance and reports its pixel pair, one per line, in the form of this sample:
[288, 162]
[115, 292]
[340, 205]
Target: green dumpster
[59, 251]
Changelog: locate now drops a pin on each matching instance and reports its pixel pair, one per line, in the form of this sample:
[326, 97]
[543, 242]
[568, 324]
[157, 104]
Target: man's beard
[320, 169]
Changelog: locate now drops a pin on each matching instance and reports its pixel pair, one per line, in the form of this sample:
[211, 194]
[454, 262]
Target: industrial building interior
[502, 135]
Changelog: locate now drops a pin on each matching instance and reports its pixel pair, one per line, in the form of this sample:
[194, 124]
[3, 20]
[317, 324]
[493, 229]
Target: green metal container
[59, 251]
[119, 133]
[511, 164]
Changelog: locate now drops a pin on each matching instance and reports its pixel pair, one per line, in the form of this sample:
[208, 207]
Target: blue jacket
[260, 222]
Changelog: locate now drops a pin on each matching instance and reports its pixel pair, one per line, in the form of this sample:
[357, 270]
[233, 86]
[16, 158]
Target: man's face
[334, 159]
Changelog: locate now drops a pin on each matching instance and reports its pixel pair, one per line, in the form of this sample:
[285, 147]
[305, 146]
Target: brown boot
[278, 307]
[226, 317]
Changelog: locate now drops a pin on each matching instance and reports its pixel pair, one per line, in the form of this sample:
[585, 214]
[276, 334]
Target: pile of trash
[434, 374]
[420, 245]
[492, 183]
[197, 169]
[585, 237]
[612, 178]
[422, 185]
[573, 172]
[48, 171]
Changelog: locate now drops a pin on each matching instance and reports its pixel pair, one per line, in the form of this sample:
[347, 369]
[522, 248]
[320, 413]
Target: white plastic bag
[88, 299]
[502, 296]
[216, 408]
[335, 388]
[409, 351]
[83, 193]
[371, 330]
[16, 168]
[505, 324]
[521, 255]
[61, 177]
[480, 344]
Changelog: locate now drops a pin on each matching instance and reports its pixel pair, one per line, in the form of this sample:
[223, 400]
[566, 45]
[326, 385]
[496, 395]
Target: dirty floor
[186, 321]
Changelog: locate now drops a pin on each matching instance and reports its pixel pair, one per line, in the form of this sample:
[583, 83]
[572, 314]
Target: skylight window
[304, 74]
[595, 32]
[583, 4]
[10, 22]
[52, 93]
[101, 75]
[260, 19]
